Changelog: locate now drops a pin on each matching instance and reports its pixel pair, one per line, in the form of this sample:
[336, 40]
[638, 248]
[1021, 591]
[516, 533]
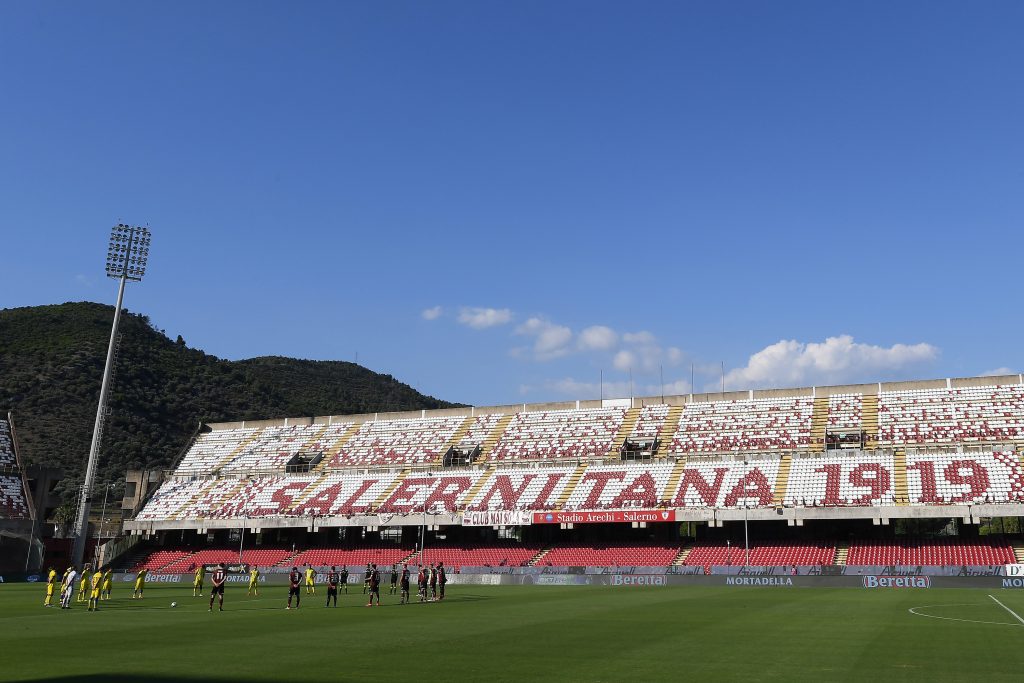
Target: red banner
[557, 517]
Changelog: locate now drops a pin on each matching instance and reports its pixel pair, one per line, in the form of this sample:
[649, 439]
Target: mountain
[51, 364]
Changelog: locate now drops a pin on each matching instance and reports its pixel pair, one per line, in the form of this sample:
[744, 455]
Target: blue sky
[495, 202]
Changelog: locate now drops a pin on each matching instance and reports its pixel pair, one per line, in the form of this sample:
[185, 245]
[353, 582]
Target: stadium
[511, 342]
[896, 491]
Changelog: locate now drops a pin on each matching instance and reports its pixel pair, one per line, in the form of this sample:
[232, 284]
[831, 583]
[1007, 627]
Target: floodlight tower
[126, 260]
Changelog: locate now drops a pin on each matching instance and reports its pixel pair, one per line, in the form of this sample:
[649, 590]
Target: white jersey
[69, 580]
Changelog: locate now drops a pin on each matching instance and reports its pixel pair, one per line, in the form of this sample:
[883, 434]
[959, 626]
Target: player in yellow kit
[83, 585]
[51, 581]
[108, 583]
[197, 584]
[254, 577]
[140, 584]
[94, 594]
[310, 580]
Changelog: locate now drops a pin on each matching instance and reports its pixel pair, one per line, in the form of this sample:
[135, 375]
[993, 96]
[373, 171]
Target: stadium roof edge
[636, 401]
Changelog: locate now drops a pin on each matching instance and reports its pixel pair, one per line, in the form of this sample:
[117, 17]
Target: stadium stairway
[570, 485]
[1018, 552]
[306, 447]
[495, 436]
[336, 447]
[673, 480]
[819, 423]
[454, 441]
[668, 431]
[390, 489]
[899, 476]
[684, 553]
[540, 555]
[238, 449]
[192, 501]
[625, 429]
[479, 485]
[842, 552]
[782, 480]
[869, 420]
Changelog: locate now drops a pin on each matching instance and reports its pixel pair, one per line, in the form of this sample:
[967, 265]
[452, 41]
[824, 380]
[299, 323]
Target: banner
[496, 518]
[1014, 569]
[604, 516]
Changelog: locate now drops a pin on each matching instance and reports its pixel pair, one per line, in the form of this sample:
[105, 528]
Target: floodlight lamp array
[128, 252]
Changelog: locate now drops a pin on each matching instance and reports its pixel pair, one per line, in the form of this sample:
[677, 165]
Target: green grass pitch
[523, 634]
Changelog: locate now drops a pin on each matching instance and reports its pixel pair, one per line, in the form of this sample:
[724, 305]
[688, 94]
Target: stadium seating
[726, 483]
[746, 425]
[841, 478]
[936, 552]
[650, 422]
[845, 412]
[620, 486]
[935, 416]
[534, 488]
[761, 554]
[157, 560]
[12, 498]
[641, 555]
[13, 501]
[6, 446]
[381, 555]
[945, 478]
[559, 434]
[505, 555]
[261, 557]
[402, 442]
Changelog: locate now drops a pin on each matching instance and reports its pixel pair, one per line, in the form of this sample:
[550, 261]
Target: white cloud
[432, 313]
[998, 371]
[641, 337]
[837, 360]
[598, 338]
[85, 280]
[482, 318]
[549, 340]
[624, 360]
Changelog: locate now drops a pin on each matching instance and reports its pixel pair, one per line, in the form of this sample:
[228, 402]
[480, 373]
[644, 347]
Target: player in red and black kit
[433, 582]
[332, 586]
[442, 579]
[218, 586]
[294, 582]
[404, 583]
[374, 585]
[421, 584]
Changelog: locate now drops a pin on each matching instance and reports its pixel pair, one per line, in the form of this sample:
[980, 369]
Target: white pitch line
[1007, 609]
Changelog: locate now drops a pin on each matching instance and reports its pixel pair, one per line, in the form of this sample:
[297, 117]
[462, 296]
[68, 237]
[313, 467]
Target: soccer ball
[174, 604]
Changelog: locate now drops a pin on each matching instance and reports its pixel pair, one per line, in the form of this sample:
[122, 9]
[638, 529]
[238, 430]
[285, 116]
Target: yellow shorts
[107, 586]
[139, 585]
[49, 589]
[95, 594]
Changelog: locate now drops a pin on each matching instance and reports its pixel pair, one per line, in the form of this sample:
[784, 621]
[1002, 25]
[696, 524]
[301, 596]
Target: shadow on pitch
[127, 678]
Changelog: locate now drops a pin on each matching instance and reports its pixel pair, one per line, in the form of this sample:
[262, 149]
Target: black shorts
[217, 589]
[375, 590]
[293, 590]
[332, 590]
[405, 586]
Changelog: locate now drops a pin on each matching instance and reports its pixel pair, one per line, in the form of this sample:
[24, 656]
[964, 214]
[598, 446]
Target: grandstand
[15, 505]
[863, 454]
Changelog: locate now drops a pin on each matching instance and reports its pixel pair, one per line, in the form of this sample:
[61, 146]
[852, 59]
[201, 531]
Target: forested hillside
[51, 363]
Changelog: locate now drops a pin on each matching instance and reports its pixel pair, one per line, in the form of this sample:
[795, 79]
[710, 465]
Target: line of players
[431, 578]
[93, 586]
